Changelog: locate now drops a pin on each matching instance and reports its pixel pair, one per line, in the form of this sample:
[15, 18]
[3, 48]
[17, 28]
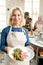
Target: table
[35, 42]
[38, 45]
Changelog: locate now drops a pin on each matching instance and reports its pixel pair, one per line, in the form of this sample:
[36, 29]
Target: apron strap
[10, 28]
[23, 30]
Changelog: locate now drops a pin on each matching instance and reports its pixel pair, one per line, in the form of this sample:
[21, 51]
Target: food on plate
[18, 54]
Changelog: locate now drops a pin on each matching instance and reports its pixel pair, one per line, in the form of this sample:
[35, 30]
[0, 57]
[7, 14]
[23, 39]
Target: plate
[29, 52]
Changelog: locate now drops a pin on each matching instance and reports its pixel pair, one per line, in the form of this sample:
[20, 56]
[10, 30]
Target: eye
[18, 14]
[14, 15]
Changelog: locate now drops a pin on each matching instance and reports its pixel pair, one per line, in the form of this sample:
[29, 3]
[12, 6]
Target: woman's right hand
[8, 49]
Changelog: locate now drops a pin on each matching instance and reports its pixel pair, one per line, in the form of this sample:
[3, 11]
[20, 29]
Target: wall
[41, 8]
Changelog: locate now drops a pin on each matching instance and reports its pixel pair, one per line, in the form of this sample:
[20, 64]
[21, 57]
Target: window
[32, 6]
[2, 14]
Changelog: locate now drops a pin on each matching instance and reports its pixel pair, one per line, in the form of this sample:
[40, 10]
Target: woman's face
[16, 18]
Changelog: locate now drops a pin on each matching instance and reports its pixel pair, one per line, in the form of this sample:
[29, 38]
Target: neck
[17, 26]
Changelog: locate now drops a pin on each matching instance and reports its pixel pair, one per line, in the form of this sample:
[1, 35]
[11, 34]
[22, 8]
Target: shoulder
[6, 29]
[26, 30]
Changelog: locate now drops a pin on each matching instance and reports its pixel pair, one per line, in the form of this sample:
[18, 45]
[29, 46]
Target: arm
[27, 36]
[27, 44]
[3, 40]
[4, 46]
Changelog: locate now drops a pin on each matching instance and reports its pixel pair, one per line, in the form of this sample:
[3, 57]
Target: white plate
[30, 53]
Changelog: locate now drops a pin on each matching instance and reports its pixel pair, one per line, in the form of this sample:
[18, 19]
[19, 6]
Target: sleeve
[27, 36]
[3, 40]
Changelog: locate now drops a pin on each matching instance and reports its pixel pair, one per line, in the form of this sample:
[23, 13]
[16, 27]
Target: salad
[18, 54]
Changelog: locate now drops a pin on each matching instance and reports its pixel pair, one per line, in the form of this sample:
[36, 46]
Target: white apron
[14, 39]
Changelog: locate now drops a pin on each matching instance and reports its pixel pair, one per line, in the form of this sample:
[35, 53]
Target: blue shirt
[5, 32]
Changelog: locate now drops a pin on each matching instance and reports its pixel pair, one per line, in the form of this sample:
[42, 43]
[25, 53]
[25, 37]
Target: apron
[14, 39]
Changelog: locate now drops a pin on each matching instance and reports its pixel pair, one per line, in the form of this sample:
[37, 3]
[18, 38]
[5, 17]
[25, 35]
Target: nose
[16, 17]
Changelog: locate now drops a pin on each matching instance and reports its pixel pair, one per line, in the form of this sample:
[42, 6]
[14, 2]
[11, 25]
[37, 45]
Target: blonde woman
[14, 34]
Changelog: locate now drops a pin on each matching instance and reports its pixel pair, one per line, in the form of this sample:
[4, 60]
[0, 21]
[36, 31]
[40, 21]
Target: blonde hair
[22, 16]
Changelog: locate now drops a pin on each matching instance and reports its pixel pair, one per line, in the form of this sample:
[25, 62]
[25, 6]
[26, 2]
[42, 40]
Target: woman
[14, 34]
[38, 26]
